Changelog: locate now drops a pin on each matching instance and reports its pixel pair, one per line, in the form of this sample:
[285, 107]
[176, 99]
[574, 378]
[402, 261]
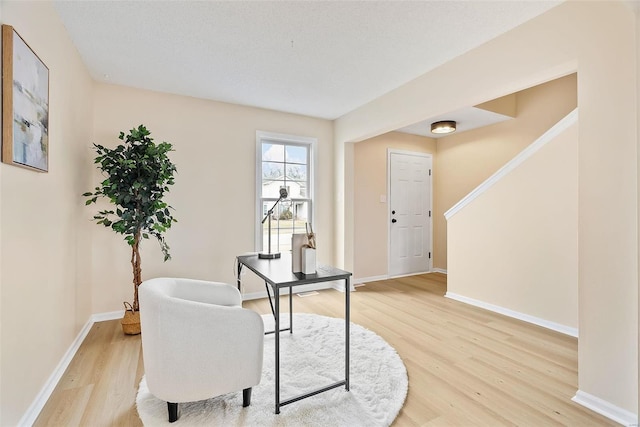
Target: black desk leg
[347, 291]
[290, 310]
[276, 292]
[239, 272]
[266, 286]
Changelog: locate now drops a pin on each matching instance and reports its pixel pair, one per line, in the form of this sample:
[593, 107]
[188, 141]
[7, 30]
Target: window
[283, 161]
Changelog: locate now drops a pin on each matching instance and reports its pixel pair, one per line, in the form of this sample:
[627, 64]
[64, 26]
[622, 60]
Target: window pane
[296, 172]
[272, 189]
[271, 170]
[302, 189]
[282, 226]
[300, 211]
[274, 152]
[283, 165]
[296, 154]
[289, 217]
[297, 189]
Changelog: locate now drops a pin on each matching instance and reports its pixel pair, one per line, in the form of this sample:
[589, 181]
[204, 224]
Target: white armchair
[197, 341]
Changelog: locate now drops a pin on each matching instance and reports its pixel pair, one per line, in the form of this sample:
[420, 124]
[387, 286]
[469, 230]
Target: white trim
[563, 329]
[549, 135]
[387, 277]
[391, 151]
[312, 143]
[339, 286]
[605, 408]
[111, 315]
[370, 279]
[283, 137]
[43, 396]
[409, 275]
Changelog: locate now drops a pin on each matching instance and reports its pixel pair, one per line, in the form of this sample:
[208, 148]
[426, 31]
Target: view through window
[283, 164]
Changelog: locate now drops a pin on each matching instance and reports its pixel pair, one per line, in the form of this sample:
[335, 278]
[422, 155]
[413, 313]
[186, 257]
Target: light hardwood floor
[466, 366]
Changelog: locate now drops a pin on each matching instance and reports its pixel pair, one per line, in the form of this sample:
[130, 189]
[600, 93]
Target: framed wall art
[25, 104]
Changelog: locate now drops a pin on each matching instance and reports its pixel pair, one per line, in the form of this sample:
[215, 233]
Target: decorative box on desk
[308, 260]
[297, 241]
[303, 258]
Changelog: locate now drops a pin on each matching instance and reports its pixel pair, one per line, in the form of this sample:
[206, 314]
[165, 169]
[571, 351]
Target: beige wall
[44, 268]
[214, 194]
[464, 161]
[45, 264]
[370, 182]
[516, 244]
[554, 44]
[467, 159]
[638, 160]
[58, 268]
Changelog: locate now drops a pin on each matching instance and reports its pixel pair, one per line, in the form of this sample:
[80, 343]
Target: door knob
[394, 220]
[393, 212]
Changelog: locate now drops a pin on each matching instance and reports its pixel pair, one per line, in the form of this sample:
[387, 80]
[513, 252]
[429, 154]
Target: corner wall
[372, 215]
[515, 245]
[558, 42]
[214, 194]
[45, 262]
[467, 159]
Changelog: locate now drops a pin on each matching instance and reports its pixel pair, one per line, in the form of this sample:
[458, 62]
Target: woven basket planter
[131, 321]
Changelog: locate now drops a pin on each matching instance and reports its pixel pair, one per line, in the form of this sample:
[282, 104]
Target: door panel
[409, 206]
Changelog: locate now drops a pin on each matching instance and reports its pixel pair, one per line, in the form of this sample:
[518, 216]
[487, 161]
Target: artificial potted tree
[138, 173]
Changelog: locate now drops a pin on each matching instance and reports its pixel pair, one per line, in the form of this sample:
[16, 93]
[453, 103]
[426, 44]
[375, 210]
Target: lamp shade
[445, 126]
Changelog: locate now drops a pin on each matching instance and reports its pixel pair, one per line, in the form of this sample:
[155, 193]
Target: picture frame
[25, 104]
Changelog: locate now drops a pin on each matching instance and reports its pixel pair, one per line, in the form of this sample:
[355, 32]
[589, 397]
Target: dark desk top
[277, 272]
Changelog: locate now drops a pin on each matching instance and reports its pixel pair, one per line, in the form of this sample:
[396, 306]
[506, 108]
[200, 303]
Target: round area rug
[310, 358]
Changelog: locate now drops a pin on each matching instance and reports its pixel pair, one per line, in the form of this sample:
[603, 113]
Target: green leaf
[137, 174]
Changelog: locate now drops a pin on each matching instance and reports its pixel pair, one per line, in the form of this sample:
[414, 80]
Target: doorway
[410, 200]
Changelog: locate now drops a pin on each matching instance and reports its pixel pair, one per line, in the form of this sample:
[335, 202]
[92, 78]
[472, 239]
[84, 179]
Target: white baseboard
[567, 330]
[339, 286]
[607, 409]
[409, 275]
[33, 411]
[387, 277]
[111, 315]
[369, 279]
[43, 396]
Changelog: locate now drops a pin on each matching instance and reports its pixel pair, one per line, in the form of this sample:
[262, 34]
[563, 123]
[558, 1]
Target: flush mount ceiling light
[445, 126]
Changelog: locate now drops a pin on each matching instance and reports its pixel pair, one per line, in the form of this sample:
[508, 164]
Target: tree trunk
[137, 270]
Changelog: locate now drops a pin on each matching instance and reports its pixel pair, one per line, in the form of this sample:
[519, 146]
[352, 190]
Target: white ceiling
[316, 58]
[466, 119]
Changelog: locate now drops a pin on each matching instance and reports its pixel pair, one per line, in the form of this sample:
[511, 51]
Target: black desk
[277, 273]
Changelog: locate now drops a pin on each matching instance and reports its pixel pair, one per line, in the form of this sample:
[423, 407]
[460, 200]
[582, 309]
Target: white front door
[409, 213]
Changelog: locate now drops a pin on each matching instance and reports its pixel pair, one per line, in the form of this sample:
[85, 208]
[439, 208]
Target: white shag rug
[310, 358]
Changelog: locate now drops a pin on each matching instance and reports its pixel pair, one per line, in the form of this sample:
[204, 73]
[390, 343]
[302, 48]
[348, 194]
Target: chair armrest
[206, 291]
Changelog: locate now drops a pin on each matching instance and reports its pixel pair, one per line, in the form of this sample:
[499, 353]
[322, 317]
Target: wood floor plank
[466, 366]
[66, 407]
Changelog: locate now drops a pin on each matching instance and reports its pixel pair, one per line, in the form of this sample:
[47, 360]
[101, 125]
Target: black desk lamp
[271, 255]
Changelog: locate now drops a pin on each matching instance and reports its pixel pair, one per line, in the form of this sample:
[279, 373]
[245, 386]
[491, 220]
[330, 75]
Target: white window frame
[312, 143]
